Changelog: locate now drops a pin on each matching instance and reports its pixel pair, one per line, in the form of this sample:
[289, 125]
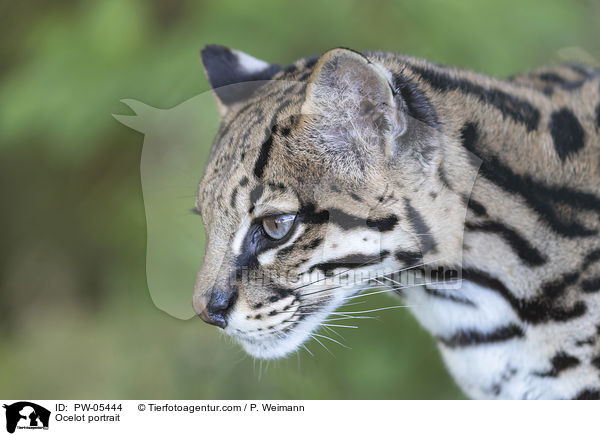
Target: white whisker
[322, 290]
[333, 340]
[339, 325]
[333, 331]
[350, 319]
[308, 351]
[317, 339]
[370, 310]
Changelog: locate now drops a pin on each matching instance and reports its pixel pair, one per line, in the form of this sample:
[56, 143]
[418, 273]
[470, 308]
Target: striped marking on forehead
[247, 138]
[227, 160]
[265, 149]
[216, 188]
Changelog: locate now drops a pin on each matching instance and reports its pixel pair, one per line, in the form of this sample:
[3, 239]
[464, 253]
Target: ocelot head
[323, 177]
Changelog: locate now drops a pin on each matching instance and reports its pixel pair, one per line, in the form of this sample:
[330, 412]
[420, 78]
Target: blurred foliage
[76, 319]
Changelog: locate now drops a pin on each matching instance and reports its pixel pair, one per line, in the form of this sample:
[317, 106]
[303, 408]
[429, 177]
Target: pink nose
[215, 306]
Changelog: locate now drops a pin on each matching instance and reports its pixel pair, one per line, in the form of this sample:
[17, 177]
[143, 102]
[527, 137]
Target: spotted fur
[390, 162]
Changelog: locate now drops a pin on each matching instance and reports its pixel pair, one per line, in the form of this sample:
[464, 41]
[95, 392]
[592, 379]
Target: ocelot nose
[214, 306]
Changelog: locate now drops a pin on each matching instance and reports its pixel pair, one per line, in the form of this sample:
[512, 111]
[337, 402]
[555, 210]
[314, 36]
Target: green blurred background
[76, 318]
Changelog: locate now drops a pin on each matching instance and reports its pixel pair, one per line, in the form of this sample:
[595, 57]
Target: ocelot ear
[354, 105]
[231, 73]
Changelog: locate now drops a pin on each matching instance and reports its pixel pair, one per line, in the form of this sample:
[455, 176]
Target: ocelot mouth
[282, 339]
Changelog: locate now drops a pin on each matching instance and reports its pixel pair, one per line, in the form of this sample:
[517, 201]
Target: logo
[26, 415]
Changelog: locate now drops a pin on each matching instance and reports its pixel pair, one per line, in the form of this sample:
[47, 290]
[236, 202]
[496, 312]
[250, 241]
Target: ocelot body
[365, 164]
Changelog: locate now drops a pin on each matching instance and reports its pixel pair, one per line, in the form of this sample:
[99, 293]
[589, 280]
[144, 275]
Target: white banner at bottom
[263, 417]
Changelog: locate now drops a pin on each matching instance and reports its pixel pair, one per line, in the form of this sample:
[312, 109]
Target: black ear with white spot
[355, 103]
[228, 72]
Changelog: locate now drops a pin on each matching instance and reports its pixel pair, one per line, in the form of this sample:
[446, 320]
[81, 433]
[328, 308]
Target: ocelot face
[301, 200]
[291, 260]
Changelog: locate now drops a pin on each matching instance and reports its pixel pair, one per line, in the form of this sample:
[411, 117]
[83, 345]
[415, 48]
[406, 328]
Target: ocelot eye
[278, 226]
